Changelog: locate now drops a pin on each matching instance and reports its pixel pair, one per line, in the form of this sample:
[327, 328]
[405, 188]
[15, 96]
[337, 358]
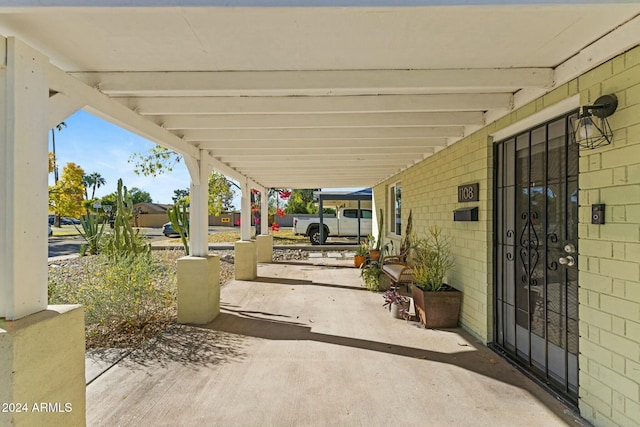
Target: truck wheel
[314, 236]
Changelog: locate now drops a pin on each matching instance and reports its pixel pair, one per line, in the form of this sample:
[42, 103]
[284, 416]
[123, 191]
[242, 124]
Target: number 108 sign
[468, 192]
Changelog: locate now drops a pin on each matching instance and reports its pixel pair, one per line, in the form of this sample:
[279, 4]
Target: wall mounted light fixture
[590, 129]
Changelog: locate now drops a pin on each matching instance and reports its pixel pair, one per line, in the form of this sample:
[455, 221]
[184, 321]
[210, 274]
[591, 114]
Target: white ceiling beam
[27, 5]
[612, 44]
[314, 83]
[310, 121]
[318, 104]
[314, 143]
[260, 164]
[339, 151]
[116, 113]
[60, 107]
[362, 155]
[199, 135]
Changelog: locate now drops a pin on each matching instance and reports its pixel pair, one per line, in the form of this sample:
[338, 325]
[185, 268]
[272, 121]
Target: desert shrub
[123, 296]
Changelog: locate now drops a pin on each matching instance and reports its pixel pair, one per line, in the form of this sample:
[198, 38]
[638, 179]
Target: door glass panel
[557, 151]
[537, 216]
[509, 153]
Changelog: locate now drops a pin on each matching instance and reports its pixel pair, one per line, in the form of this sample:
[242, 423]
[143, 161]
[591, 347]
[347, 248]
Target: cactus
[179, 217]
[124, 241]
[92, 231]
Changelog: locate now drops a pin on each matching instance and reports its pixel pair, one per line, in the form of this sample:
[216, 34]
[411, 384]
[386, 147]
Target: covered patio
[305, 344]
[318, 94]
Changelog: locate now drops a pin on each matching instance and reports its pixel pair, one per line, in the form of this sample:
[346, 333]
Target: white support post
[264, 241]
[199, 273]
[198, 208]
[246, 256]
[24, 92]
[41, 347]
[245, 212]
[264, 212]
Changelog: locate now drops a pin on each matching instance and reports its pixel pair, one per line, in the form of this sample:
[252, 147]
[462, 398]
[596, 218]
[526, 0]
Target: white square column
[264, 241]
[245, 251]
[41, 347]
[199, 208]
[24, 92]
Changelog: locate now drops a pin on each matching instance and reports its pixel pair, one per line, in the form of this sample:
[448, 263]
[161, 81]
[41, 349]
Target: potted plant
[373, 248]
[375, 245]
[397, 303]
[437, 304]
[371, 273]
[361, 254]
[372, 276]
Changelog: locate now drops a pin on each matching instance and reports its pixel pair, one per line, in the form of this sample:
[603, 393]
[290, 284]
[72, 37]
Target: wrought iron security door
[536, 289]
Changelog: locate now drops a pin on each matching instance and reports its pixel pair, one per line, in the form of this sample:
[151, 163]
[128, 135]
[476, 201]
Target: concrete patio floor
[306, 345]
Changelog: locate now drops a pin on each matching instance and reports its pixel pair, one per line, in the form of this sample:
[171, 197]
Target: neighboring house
[150, 214]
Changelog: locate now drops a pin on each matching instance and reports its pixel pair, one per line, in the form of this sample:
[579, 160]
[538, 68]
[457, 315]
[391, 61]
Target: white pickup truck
[345, 224]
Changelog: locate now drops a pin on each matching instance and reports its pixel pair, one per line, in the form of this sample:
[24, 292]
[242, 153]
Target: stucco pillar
[264, 241]
[42, 368]
[198, 289]
[41, 348]
[245, 260]
[245, 252]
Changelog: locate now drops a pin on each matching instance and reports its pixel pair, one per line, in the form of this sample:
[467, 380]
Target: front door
[536, 289]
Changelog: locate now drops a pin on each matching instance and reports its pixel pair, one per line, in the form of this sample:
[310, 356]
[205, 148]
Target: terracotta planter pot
[374, 255]
[358, 260]
[437, 309]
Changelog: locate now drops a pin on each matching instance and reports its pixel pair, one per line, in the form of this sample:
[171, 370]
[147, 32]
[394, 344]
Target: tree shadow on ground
[302, 282]
[477, 359]
[189, 346]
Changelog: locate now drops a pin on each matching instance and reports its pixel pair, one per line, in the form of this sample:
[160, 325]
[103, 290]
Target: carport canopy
[359, 196]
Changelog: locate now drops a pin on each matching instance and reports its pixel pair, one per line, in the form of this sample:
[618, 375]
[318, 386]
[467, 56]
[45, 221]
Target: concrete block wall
[430, 192]
[609, 254]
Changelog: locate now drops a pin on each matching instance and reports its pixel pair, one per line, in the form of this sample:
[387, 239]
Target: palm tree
[93, 180]
[59, 126]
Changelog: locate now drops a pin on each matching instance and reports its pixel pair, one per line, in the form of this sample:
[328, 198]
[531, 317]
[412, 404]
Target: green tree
[221, 193]
[66, 197]
[139, 196]
[159, 160]
[301, 201]
[156, 162]
[93, 181]
[109, 199]
[180, 195]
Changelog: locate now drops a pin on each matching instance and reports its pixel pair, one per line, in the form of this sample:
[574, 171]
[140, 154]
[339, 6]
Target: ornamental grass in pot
[437, 304]
[361, 254]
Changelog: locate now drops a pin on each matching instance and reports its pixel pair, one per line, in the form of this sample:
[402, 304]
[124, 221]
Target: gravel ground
[120, 334]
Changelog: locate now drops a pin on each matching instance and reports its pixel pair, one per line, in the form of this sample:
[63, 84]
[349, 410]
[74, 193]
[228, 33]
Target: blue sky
[99, 146]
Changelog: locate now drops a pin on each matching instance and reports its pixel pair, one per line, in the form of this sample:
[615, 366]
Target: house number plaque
[468, 192]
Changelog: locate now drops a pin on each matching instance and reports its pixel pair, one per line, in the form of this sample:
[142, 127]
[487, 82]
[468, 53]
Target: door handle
[568, 260]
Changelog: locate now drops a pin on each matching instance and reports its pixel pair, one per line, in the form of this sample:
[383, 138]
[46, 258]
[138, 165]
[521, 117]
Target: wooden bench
[396, 269]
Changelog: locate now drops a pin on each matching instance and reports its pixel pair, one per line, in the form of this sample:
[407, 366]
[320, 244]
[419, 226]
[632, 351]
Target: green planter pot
[437, 309]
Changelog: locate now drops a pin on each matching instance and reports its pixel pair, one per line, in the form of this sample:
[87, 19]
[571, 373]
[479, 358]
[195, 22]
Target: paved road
[70, 245]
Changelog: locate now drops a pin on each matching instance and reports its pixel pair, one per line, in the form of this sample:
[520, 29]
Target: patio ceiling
[311, 97]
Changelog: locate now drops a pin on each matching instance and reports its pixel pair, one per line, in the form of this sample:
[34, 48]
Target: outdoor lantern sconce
[590, 129]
